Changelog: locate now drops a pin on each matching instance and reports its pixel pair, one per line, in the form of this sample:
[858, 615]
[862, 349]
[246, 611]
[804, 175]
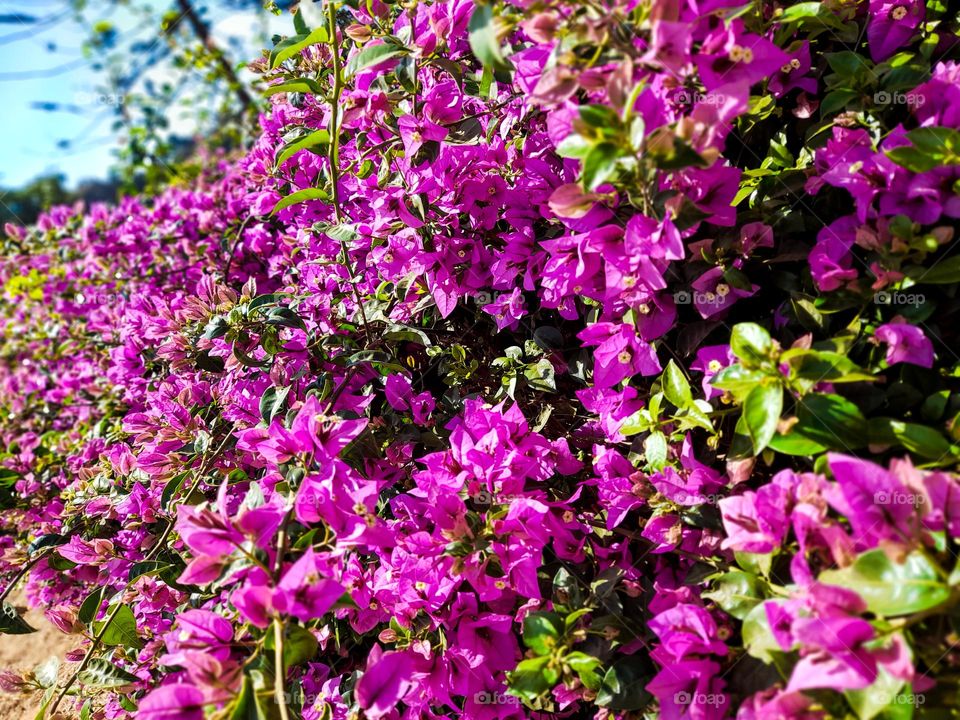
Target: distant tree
[22, 205]
[191, 70]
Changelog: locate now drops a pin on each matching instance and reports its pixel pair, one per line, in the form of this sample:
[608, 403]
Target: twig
[154, 551]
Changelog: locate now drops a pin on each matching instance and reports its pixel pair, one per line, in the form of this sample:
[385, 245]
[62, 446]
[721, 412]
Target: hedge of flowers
[554, 359]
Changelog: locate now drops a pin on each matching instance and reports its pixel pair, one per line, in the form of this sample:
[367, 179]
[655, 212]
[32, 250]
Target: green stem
[280, 674]
[334, 155]
[23, 571]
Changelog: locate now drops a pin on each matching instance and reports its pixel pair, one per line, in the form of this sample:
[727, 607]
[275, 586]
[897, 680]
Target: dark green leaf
[599, 165]
[624, 684]
[317, 137]
[372, 55]
[102, 673]
[291, 46]
[121, 631]
[11, 623]
[271, 402]
[832, 421]
[736, 592]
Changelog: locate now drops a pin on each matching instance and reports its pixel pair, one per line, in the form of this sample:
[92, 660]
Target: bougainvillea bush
[548, 359]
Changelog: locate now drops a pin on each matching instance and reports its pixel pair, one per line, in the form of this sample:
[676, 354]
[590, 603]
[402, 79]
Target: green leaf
[799, 11]
[889, 588]
[291, 46]
[599, 165]
[244, 705]
[102, 673]
[169, 490]
[737, 380]
[542, 631]
[751, 343]
[91, 604]
[794, 444]
[50, 540]
[624, 685]
[121, 631]
[146, 567]
[931, 147]
[675, 386]
[601, 117]
[655, 449]
[585, 666]
[299, 645]
[271, 402]
[373, 55]
[285, 317]
[298, 197]
[837, 100]
[831, 421]
[736, 592]
[483, 40]
[761, 411]
[310, 141]
[822, 366]
[529, 680]
[943, 272]
[884, 694]
[11, 623]
[303, 85]
[920, 439]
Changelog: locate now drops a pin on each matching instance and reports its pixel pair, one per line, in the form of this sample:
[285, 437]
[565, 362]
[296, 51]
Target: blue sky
[31, 137]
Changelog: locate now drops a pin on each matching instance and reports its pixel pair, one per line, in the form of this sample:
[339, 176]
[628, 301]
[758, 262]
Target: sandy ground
[24, 652]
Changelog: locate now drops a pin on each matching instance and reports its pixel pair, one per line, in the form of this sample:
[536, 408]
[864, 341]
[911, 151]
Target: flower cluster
[536, 358]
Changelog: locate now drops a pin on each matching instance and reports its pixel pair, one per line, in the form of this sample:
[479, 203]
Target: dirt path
[24, 652]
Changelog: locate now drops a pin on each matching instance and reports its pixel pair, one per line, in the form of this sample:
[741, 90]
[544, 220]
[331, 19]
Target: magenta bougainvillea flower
[905, 343]
[891, 25]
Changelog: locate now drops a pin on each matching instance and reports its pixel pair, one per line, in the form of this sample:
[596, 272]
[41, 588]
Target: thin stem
[334, 155]
[154, 551]
[23, 571]
[280, 673]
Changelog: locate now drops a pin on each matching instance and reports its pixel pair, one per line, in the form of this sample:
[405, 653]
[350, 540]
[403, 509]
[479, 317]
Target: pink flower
[303, 592]
[384, 683]
[905, 343]
[172, 702]
[891, 25]
[620, 353]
